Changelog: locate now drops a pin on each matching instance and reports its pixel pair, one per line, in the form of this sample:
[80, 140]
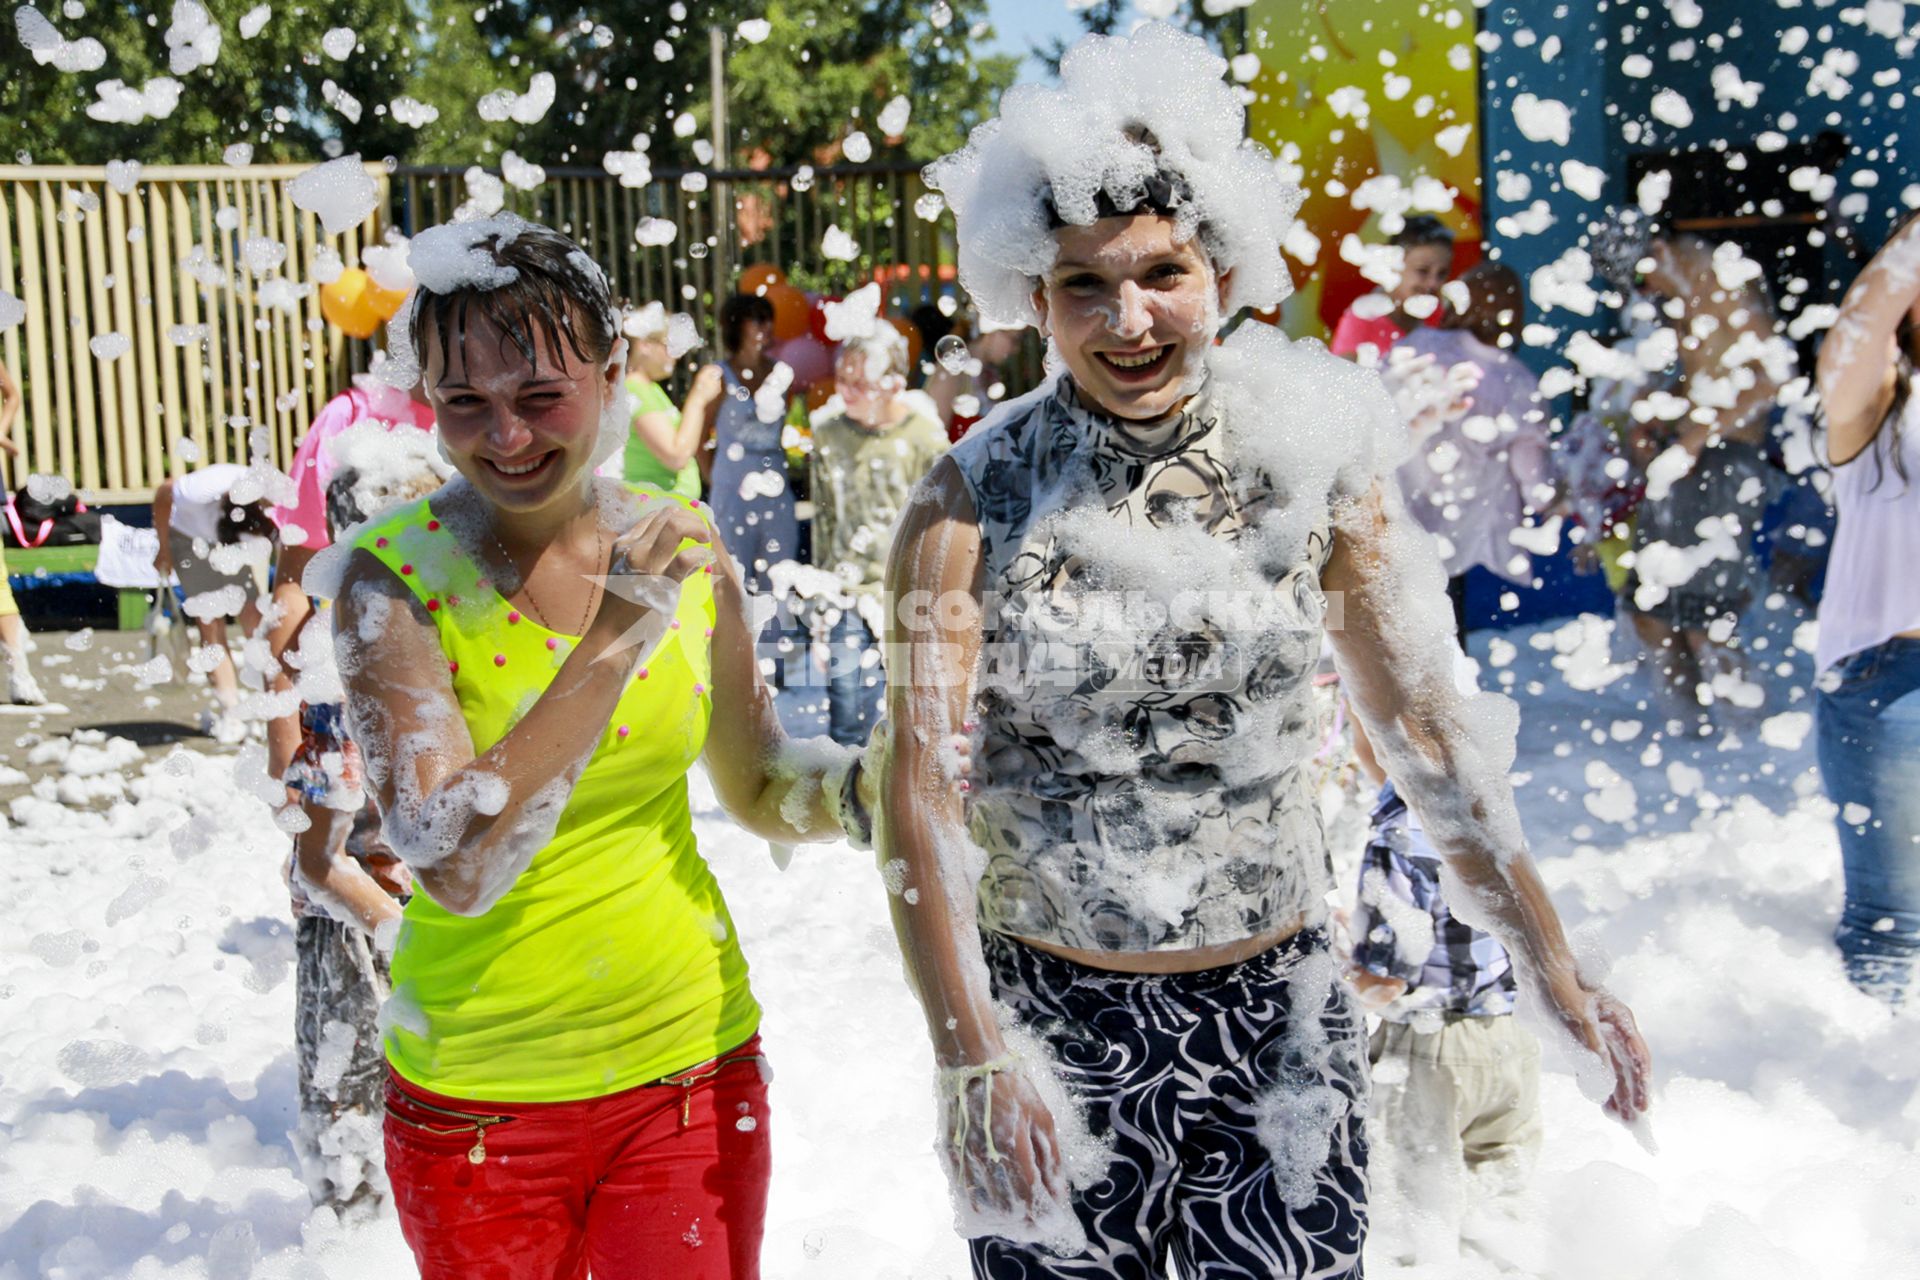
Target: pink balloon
[810, 359]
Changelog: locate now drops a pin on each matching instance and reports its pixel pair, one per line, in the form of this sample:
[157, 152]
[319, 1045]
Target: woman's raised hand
[707, 383]
[650, 561]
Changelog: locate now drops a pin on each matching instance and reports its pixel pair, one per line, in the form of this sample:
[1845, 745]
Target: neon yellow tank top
[612, 960]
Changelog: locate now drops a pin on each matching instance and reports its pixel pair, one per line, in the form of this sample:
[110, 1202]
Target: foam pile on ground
[148, 1082]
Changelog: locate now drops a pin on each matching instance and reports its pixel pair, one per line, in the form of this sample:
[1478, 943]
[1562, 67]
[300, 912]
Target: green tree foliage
[824, 68]
[268, 91]
[827, 69]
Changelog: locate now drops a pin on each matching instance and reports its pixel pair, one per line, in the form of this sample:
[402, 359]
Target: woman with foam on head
[1120, 585]
[660, 451]
[533, 660]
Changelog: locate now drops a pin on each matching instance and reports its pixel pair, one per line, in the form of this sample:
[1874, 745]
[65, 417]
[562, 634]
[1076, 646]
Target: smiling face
[522, 433]
[1129, 309]
[1423, 270]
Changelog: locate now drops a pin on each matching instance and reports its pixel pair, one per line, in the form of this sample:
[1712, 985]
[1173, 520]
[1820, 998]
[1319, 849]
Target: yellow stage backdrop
[1360, 88]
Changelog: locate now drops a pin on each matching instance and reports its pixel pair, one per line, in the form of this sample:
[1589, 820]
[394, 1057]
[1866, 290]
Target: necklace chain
[526, 579]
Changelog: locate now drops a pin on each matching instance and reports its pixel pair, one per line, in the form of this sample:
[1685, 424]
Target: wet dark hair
[932, 324]
[1617, 243]
[559, 302]
[737, 312]
[238, 521]
[1421, 230]
[1165, 193]
[1492, 288]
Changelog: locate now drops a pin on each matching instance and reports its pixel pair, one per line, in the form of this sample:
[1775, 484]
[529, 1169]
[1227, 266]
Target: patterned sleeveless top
[1153, 620]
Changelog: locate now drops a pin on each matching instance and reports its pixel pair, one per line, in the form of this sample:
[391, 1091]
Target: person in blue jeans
[1869, 743]
[1867, 699]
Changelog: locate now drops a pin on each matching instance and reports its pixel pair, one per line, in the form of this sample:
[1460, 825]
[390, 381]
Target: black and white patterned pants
[340, 983]
[1235, 1123]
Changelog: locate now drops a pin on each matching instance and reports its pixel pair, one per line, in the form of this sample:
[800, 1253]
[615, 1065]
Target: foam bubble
[340, 192]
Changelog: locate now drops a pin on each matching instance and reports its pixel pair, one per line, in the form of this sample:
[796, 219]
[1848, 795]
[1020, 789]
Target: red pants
[666, 1181]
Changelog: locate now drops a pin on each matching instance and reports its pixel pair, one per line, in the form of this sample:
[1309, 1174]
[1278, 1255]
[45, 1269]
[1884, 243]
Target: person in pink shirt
[1376, 321]
[366, 400]
[312, 467]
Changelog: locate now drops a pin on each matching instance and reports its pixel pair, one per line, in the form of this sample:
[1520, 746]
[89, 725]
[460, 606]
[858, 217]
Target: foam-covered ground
[147, 1077]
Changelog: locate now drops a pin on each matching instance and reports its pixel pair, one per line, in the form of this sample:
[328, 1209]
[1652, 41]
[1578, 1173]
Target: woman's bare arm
[709, 424]
[1450, 754]
[768, 783]
[672, 444]
[936, 555]
[9, 409]
[470, 823]
[999, 1138]
[1858, 361]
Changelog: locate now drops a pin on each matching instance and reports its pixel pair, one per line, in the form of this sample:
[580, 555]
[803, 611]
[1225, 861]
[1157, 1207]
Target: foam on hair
[1130, 115]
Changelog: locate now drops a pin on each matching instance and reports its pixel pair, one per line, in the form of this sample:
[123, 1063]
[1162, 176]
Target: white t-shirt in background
[200, 498]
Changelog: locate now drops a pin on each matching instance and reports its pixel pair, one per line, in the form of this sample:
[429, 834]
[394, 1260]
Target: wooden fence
[177, 311]
[165, 323]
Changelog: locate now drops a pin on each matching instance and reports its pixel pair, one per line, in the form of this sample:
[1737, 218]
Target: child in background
[866, 459]
[366, 399]
[346, 885]
[1456, 1080]
[1480, 470]
[22, 689]
[1376, 321]
[303, 521]
[216, 536]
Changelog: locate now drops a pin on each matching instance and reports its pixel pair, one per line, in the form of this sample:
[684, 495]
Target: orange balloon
[790, 311]
[911, 332]
[357, 306]
[761, 277]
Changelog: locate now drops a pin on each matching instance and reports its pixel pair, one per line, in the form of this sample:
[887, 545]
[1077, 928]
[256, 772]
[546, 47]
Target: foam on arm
[1857, 365]
[467, 823]
[920, 823]
[1448, 752]
[772, 785]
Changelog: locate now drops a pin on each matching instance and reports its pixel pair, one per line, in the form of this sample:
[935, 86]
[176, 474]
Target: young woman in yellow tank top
[533, 661]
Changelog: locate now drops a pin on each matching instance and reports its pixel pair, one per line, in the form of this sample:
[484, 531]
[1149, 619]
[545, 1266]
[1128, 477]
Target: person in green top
[662, 440]
[869, 450]
[533, 660]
